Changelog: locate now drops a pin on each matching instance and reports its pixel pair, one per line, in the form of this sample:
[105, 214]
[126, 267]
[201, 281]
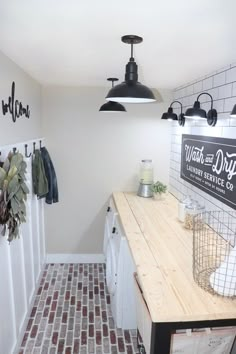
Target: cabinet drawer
[144, 322]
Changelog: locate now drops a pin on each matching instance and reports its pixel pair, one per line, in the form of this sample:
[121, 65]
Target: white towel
[223, 280]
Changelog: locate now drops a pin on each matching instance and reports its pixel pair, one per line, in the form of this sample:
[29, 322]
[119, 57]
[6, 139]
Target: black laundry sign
[14, 107]
[209, 164]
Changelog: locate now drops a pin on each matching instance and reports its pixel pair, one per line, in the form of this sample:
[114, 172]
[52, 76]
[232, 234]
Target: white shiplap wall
[222, 86]
[20, 265]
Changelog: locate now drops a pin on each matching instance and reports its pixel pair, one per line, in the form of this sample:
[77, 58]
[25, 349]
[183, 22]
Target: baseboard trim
[74, 258]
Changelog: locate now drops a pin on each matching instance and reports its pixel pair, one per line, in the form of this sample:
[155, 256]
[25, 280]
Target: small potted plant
[158, 189]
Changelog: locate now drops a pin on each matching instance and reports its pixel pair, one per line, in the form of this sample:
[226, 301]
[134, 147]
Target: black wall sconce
[170, 115]
[196, 112]
[233, 113]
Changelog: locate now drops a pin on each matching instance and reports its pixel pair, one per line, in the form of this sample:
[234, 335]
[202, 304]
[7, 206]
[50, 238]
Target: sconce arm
[208, 94]
[179, 103]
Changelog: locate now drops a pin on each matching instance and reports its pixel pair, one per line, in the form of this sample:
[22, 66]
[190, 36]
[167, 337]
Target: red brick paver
[71, 314]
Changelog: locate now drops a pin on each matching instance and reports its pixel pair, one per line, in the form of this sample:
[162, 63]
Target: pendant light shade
[233, 113]
[131, 91]
[196, 112]
[112, 106]
[170, 115]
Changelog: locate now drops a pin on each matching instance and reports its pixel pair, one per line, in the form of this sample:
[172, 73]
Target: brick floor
[72, 314]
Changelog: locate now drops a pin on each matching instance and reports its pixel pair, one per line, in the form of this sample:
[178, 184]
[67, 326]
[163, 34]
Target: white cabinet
[144, 322]
[109, 224]
[120, 268]
[126, 292]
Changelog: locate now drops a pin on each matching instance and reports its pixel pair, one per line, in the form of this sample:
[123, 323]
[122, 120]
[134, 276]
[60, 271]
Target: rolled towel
[223, 280]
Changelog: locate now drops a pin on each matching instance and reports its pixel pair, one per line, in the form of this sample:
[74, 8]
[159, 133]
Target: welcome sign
[209, 164]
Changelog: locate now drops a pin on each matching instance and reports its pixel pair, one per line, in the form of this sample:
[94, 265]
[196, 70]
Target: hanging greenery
[13, 194]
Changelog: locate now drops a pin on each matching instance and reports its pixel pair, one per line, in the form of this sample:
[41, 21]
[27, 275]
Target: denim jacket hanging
[52, 195]
[40, 183]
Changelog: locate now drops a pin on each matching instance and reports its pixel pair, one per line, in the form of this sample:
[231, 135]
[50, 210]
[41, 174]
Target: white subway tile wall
[222, 86]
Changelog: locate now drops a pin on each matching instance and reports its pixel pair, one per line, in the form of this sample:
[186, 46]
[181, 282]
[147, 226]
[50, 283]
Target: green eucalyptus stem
[159, 188]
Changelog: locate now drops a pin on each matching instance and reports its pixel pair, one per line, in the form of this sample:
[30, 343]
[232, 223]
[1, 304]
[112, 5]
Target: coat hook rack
[26, 152]
[34, 146]
[14, 150]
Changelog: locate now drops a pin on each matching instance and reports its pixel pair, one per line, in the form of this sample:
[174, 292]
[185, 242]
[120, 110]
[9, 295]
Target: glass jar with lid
[191, 211]
[146, 172]
[181, 207]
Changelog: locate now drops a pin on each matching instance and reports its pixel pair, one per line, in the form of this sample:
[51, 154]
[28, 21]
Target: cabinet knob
[108, 209]
[113, 229]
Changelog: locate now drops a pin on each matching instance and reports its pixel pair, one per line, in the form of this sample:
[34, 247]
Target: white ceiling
[77, 42]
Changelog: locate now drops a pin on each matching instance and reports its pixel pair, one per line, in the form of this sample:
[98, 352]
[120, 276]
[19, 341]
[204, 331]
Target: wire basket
[214, 252]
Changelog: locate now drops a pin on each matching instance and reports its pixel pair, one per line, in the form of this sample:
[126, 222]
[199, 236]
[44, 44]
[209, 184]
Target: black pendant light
[111, 106]
[233, 113]
[196, 112]
[170, 115]
[131, 91]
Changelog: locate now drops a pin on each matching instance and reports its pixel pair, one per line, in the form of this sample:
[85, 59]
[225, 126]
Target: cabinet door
[109, 224]
[144, 321]
[111, 214]
[129, 307]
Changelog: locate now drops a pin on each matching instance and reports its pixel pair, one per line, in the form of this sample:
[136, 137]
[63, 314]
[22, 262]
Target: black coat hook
[26, 153]
[14, 150]
[34, 146]
[40, 144]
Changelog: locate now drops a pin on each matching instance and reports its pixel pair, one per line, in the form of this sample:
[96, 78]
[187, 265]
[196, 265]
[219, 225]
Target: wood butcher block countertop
[162, 251]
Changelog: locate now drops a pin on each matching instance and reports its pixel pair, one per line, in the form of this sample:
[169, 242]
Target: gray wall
[19, 263]
[95, 154]
[28, 91]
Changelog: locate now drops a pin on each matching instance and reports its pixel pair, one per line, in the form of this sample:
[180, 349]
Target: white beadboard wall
[221, 85]
[21, 263]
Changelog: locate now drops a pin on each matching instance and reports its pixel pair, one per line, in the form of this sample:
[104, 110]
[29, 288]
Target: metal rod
[132, 50]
